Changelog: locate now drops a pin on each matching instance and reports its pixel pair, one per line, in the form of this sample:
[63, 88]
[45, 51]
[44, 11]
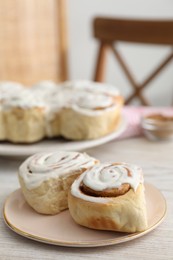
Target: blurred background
[140, 58]
[54, 40]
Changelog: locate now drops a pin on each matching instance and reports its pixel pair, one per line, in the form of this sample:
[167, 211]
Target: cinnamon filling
[114, 192]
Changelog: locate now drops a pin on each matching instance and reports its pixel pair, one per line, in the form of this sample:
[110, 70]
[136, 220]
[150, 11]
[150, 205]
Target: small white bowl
[157, 127]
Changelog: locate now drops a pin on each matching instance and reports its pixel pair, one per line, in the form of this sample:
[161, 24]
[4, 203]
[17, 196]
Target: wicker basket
[33, 42]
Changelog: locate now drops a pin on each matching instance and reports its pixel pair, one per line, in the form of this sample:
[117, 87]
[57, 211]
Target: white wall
[83, 46]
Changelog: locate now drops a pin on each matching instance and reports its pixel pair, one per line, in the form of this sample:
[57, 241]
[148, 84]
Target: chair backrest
[139, 31]
[33, 40]
[109, 30]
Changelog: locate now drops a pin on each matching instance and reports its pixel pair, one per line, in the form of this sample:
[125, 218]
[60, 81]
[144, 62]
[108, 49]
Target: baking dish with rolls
[102, 196]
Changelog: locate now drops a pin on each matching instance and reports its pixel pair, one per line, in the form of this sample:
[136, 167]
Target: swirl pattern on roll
[107, 176]
[90, 100]
[43, 166]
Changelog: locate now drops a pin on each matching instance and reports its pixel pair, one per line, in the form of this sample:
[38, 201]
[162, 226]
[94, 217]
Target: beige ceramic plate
[24, 150]
[61, 229]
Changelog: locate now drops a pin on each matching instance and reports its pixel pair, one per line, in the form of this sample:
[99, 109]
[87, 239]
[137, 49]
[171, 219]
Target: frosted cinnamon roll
[109, 197]
[24, 117]
[45, 178]
[94, 111]
[7, 89]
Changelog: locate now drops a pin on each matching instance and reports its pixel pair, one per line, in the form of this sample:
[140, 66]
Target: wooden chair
[33, 40]
[108, 31]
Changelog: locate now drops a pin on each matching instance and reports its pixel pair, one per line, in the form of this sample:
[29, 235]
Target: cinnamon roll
[109, 197]
[94, 111]
[24, 117]
[45, 178]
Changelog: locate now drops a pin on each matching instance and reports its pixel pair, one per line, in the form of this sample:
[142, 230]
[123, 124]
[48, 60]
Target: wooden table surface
[156, 159]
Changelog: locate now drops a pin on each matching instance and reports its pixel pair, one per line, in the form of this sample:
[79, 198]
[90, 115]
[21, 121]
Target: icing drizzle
[43, 166]
[107, 176]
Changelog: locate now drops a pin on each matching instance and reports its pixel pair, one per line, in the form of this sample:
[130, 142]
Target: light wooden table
[156, 160]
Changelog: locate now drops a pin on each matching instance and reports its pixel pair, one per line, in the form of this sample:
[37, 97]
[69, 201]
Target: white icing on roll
[45, 89]
[45, 85]
[85, 97]
[8, 89]
[24, 99]
[90, 112]
[43, 166]
[92, 86]
[107, 176]
[90, 100]
[91, 103]
[60, 98]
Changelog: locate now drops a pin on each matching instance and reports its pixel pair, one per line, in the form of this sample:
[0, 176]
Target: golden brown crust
[126, 213]
[51, 196]
[24, 125]
[77, 126]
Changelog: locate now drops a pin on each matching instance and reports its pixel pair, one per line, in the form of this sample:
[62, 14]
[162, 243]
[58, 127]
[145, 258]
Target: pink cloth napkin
[133, 116]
